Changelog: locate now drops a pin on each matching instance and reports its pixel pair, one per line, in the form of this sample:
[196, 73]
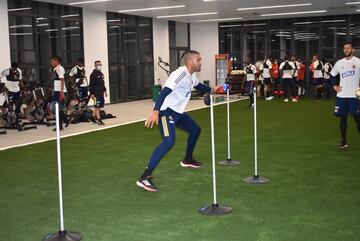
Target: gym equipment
[62, 234]
[214, 209]
[228, 161]
[255, 179]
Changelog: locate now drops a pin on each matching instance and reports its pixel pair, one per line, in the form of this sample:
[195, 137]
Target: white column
[204, 37]
[5, 60]
[160, 48]
[96, 43]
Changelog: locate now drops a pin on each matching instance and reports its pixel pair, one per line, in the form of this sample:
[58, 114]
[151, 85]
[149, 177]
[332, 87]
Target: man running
[168, 113]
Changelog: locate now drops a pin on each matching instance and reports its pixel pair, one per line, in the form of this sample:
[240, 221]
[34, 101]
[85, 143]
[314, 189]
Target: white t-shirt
[318, 73]
[13, 86]
[287, 74]
[266, 71]
[349, 71]
[74, 72]
[250, 76]
[57, 83]
[181, 82]
[327, 67]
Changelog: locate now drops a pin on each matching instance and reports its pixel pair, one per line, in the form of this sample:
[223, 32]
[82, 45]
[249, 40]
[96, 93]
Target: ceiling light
[18, 9]
[230, 26]
[351, 3]
[333, 21]
[187, 15]
[149, 9]
[70, 15]
[218, 19]
[300, 23]
[276, 6]
[91, 1]
[254, 24]
[292, 13]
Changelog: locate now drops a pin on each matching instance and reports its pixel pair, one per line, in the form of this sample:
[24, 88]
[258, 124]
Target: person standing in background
[287, 69]
[97, 91]
[327, 83]
[265, 70]
[78, 73]
[317, 69]
[301, 79]
[13, 83]
[250, 73]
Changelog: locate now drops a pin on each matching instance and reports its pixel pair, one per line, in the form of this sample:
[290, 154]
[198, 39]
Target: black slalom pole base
[63, 236]
[215, 210]
[229, 162]
[256, 180]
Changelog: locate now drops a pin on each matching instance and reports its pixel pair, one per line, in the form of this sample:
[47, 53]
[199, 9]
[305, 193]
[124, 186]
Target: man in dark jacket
[97, 90]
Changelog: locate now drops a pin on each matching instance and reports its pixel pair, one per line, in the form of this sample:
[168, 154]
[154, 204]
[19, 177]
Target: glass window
[130, 57]
[39, 30]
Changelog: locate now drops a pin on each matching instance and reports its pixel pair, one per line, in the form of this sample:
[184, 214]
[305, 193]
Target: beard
[348, 54]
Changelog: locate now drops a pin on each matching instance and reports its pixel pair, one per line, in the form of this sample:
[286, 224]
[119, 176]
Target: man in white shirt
[60, 91]
[287, 69]
[265, 69]
[169, 108]
[327, 83]
[78, 73]
[13, 81]
[297, 64]
[318, 76]
[250, 74]
[348, 70]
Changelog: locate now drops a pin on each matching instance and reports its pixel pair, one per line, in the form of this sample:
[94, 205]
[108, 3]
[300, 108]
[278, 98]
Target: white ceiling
[225, 8]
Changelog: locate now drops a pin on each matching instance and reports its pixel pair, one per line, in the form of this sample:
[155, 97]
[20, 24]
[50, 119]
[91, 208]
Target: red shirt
[301, 72]
[275, 71]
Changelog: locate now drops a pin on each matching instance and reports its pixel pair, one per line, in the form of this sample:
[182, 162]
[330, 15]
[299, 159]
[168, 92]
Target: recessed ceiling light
[276, 6]
[334, 21]
[292, 13]
[18, 9]
[187, 15]
[351, 3]
[300, 23]
[91, 1]
[70, 15]
[218, 19]
[254, 24]
[230, 26]
[150, 9]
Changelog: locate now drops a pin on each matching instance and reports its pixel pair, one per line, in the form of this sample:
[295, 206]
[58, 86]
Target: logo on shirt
[348, 73]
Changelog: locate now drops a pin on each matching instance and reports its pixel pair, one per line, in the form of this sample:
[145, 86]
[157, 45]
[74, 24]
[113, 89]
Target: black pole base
[256, 180]
[215, 210]
[229, 162]
[63, 236]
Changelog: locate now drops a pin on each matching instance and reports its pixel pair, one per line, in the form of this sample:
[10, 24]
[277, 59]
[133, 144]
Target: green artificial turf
[314, 194]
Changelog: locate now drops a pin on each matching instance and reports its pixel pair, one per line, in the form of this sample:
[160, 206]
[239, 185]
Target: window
[130, 57]
[38, 31]
[179, 42]
[305, 37]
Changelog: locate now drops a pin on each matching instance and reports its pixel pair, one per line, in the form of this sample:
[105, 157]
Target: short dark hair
[350, 43]
[14, 65]
[97, 61]
[56, 58]
[81, 60]
[187, 53]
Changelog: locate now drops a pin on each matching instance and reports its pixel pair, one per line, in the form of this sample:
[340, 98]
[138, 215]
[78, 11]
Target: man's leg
[284, 87]
[167, 131]
[187, 124]
[343, 129]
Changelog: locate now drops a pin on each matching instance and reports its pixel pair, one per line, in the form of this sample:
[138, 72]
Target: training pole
[228, 161]
[255, 179]
[214, 209]
[62, 234]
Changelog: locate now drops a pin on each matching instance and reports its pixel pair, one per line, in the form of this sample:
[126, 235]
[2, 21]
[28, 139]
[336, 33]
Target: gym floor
[313, 193]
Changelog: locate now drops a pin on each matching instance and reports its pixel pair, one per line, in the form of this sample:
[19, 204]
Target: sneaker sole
[343, 147]
[139, 184]
[189, 165]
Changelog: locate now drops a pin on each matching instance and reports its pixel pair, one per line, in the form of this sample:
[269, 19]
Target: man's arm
[202, 87]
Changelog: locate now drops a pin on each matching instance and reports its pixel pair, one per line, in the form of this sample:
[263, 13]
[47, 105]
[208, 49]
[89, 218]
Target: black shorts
[99, 102]
[267, 81]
